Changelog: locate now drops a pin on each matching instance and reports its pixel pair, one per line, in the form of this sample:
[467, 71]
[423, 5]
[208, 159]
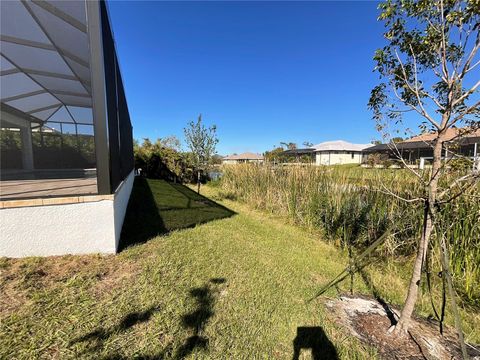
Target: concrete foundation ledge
[7, 204]
[60, 226]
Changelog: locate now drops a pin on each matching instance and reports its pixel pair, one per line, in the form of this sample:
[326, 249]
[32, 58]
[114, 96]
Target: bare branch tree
[202, 142]
[428, 67]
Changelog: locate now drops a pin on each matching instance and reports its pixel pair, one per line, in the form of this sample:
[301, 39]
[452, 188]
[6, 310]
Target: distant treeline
[164, 159]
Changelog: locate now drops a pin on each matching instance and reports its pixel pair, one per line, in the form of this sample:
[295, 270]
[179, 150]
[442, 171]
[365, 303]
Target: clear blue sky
[263, 72]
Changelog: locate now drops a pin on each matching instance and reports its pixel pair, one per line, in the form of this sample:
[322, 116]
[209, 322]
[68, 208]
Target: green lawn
[158, 207]
[230, 288]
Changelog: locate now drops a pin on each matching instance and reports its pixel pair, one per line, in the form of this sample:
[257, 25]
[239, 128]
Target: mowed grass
[232, 288]
[157, 207]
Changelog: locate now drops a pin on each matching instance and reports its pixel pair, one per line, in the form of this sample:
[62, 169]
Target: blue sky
[263, 72]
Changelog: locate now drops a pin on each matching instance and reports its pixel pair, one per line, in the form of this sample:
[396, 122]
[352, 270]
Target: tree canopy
[430, 64]
[429, 67]
[202, 142]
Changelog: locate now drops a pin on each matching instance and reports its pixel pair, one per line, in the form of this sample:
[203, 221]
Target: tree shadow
[376, 294]
[315, 339]
[157, 207]
[197, 320]
[194, 322]
[97, 337]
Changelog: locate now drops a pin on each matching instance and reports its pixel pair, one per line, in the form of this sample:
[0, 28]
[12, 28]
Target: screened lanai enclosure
[65, 126]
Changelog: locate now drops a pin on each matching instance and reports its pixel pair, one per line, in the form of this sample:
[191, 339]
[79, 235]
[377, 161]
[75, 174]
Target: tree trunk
[407, 311]
[198, 181]
[412, 295]
[445, 258]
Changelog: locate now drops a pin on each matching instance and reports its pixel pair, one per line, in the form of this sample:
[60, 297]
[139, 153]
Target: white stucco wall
[79, 228]
[120, 205]
[337, 158]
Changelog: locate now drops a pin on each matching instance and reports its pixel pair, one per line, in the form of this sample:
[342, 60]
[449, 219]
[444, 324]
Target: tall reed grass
[352, 208]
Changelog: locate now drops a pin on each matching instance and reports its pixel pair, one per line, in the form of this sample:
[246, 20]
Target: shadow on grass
[96, 338]
[157, 207]
[196, 321]
[314, 339]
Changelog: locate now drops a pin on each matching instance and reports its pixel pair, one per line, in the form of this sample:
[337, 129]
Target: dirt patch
[21, 278]
[369, 320]
[113, 277]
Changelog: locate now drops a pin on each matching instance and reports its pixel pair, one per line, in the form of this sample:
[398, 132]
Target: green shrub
[387, 163]
[461, 164]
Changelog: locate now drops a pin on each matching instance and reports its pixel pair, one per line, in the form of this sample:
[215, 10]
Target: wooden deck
[46, 188]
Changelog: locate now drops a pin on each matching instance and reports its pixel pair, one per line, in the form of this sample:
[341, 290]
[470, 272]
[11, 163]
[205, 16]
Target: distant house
[242, 158]
[419, 149]
[338, 152]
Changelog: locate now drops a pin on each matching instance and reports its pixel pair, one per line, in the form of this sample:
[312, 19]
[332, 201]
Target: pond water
[215, 175]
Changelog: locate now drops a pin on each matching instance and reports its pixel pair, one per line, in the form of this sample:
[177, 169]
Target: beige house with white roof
[338, 152]
[247, 157]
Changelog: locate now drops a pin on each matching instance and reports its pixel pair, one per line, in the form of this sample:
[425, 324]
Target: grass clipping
[369, 320]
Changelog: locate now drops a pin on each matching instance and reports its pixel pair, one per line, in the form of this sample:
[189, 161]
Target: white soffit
[45, 59]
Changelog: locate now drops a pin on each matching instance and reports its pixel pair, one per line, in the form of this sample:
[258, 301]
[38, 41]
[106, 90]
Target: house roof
[340, 145]
[299, 151]
[378, 147]
[450, 134]
[424, 141]
[244, 156]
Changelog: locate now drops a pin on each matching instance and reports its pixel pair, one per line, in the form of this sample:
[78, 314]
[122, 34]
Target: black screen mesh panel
[120, 138]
